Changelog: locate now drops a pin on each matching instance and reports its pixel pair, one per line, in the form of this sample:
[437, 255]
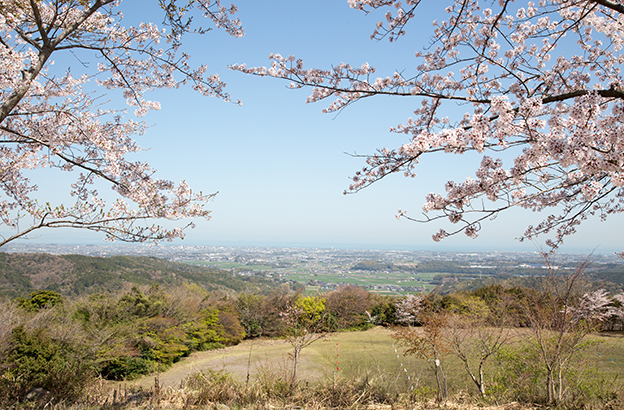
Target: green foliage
[229, 321]
[127, 368]
[383, 311]
[207, 333]
[312, 309]
[249, 307]
[140, 330]
[520, 376]
[162, 341]
[465, 304]
[41, 299]
[136, 303]
[588, 388]
[61, 344]
[159, 331]
[374, 265]
[76, 275]
[35, 359]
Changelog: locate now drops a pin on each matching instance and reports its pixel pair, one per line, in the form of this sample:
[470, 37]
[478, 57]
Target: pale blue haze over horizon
[281, 165]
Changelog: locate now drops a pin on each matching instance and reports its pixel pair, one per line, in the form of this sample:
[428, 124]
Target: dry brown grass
[206, 392]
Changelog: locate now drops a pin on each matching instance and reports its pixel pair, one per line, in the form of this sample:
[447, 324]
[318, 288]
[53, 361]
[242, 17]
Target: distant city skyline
[256, 254]
[449, 246]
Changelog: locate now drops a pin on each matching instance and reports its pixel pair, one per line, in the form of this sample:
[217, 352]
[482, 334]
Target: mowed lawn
[370, 354]
[339, 354]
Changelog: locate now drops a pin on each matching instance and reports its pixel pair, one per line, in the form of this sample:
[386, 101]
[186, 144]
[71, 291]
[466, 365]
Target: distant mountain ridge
[73, 275]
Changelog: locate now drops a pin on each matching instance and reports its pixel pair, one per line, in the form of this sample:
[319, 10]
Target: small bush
[520, 376]
[349, 392]
[273, 382]
[40, 299]
[35, 360]
[214, 387]
[127, 368]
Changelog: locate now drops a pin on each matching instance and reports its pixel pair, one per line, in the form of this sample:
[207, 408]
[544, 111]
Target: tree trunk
[477, 381]
[437, 376]
[442, 385]
[481, 384]
[295, 361]
[560, 393]
[550, 396]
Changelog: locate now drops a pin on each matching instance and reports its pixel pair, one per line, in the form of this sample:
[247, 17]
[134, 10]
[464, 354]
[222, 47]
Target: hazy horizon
[279, 164]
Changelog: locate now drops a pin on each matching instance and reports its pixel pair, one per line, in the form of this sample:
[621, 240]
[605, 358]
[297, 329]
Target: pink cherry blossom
[541, 80]
[51, 121]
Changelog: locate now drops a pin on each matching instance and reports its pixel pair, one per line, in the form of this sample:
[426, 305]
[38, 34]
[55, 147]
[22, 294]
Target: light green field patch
[369, 355]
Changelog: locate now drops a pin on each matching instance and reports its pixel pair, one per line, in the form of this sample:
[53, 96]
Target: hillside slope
[72, 275]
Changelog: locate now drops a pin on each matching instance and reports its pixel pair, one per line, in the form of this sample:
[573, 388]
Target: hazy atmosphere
[357, 204]
[281, 165]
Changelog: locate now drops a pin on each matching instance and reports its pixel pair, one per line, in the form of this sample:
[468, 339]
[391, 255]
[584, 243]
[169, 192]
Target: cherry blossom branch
[560, 113]
[49, 121]
[77, 163]
[609, 4]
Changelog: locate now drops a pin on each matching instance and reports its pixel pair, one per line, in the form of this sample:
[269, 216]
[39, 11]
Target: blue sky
[280, 165]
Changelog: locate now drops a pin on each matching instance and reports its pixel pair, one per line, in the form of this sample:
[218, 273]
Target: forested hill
[71, 275]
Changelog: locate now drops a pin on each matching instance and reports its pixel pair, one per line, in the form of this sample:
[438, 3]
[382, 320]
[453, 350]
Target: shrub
[383, 311]
[520, 376]
[127, 368]
[249, 308]
[348, 304]
[214, 387]
[40, 299]
[35, 360]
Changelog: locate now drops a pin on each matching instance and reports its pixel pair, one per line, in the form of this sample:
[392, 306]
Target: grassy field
[369, 354]
[607, 355]
[339, 354]
[319, 271]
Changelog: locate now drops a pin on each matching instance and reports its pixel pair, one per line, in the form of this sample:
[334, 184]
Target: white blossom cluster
[539, 79]
[49, 120]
